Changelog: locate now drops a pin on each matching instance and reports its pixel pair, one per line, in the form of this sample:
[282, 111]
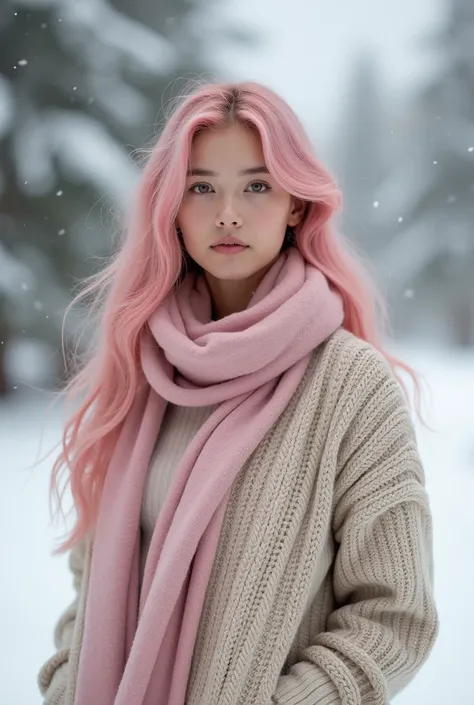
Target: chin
[238, 272]
[230, 273]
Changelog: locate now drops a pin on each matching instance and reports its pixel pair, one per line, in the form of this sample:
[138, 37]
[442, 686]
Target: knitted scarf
[138, 640]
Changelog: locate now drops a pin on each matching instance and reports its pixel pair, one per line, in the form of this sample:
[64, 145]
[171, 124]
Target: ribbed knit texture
[180, 424]
[321, 589]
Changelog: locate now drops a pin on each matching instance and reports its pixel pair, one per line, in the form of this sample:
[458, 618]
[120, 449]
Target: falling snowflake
[435, 162]
[61, 232]
[25, 286]
[38, 305]
[400, 219]
[376, 204]
[471, 149]
[409, 293]
[22, 62]
[59, 193]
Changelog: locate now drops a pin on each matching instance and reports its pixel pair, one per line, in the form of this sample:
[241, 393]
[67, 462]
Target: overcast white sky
[311, 43]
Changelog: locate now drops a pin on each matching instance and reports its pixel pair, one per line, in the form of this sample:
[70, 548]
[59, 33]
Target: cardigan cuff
[306, 684]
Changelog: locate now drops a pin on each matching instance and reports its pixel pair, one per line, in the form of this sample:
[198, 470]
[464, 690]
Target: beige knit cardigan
[332, 503]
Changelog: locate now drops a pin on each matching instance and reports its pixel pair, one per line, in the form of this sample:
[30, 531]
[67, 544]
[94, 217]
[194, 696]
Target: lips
[229, 240]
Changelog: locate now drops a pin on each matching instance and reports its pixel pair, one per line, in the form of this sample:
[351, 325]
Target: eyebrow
[244, 172]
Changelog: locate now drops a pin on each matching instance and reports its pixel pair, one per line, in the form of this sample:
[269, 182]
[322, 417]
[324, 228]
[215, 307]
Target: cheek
[192, 212]
[194, 225]
[185, 216]
[271, 209]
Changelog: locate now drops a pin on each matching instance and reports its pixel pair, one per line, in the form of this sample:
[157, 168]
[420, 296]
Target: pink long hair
[151, 262]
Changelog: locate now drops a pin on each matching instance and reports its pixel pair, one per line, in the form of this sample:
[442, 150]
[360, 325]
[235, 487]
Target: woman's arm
[52, 678]
[385, 622]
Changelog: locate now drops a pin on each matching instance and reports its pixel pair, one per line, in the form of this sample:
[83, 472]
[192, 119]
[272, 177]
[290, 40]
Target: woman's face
[230, 192]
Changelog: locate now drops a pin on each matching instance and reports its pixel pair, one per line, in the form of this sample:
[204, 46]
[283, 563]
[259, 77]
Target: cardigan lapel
[274, 549]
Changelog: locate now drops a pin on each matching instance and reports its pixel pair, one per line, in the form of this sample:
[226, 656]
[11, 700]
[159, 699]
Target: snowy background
[386, 92]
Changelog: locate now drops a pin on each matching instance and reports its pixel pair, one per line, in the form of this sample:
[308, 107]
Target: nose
[228, 217]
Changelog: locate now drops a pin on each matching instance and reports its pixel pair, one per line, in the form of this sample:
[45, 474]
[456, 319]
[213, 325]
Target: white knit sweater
[180, 425]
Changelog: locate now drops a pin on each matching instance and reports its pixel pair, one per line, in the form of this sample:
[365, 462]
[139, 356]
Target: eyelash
[201, 183]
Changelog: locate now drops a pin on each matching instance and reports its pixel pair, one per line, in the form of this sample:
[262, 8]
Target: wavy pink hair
[151, 262]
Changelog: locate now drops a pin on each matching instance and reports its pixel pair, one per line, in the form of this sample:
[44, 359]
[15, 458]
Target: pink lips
[229, 249]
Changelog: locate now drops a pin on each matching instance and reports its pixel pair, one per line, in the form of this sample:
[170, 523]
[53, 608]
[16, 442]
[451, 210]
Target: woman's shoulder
[346, 356]
[361, 394]
[350, 377]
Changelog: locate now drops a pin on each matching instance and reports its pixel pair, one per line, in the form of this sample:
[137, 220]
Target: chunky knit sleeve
[52, 678]
[385, 621]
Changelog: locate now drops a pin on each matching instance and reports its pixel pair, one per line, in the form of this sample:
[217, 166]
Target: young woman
[252, 522]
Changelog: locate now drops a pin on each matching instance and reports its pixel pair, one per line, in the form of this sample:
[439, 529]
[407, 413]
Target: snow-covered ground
[35, 587]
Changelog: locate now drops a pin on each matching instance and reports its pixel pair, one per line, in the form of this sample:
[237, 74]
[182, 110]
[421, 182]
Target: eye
[198, 186]
[266, 187]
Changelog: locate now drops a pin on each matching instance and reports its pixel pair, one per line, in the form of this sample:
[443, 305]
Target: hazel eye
[266, 187]
[199, 186]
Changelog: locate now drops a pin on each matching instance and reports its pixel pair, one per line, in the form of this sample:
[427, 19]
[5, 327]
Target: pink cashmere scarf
[138, 644]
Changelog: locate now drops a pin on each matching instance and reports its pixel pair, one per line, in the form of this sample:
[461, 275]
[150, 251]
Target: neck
[234, 295]
[223, 305]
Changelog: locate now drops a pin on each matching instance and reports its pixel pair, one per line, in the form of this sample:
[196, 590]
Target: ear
[297, 211]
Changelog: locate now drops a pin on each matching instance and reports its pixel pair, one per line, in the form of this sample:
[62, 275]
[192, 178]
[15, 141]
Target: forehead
[233, 145]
